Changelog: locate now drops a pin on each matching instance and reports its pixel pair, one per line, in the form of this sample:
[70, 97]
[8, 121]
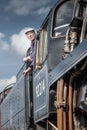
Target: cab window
[62, 17]
[41, 47]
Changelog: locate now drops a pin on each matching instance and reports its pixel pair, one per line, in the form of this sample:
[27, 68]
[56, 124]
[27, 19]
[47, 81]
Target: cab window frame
[53, 19]
[40, 58]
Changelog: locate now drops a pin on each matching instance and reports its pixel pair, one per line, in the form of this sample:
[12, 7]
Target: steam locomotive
[54, 95]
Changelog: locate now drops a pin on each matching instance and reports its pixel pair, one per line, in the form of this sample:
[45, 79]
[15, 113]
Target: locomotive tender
[54, 95]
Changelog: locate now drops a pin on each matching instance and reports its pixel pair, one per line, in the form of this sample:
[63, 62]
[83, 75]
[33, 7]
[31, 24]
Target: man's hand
[27, 58]
[26, 71]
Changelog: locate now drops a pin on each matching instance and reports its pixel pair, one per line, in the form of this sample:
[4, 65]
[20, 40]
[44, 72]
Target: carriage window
[62, 18]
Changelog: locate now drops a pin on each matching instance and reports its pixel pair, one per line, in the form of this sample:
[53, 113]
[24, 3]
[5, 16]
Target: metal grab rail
[52, 125]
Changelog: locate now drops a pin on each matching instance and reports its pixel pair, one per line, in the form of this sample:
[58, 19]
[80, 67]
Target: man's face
[30, 35]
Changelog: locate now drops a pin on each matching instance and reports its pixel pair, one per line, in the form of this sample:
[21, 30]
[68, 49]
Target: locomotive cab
[49, 51]
[61, 32]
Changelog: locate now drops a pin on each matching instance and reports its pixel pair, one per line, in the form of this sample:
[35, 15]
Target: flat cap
[29, 30]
